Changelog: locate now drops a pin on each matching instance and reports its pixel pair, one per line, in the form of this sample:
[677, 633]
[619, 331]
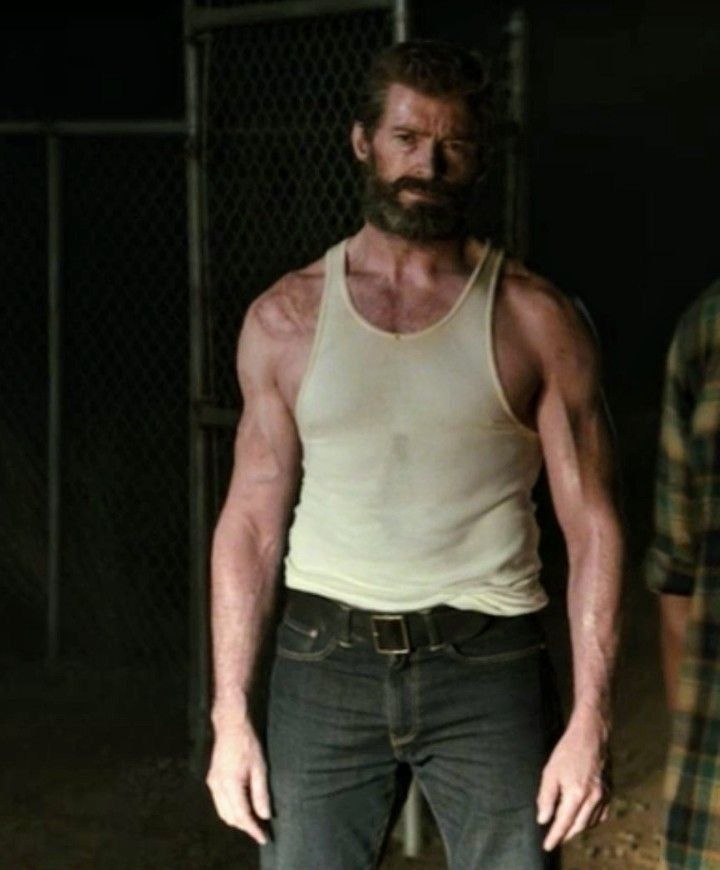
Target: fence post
[198, 689]
[54, 504]
[401, 22]
[516, 210]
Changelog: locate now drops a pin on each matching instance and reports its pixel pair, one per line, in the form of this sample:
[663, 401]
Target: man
[684, 566]
[422, 377]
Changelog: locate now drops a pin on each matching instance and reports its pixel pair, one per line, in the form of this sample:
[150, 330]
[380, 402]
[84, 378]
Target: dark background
[623, 169]
[623, 137]
[623, 143]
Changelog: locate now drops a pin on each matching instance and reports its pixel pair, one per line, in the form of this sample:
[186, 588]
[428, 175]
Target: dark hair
[432, 67]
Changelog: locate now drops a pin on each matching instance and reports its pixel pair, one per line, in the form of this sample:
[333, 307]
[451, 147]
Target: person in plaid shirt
[684, 566]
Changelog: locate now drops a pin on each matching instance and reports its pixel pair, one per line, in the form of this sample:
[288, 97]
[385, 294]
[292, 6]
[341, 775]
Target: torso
[289, 313]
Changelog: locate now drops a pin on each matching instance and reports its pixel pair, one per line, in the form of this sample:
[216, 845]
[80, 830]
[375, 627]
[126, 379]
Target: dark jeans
[474, 722]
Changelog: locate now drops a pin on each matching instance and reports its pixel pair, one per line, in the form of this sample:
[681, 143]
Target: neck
[400, 258]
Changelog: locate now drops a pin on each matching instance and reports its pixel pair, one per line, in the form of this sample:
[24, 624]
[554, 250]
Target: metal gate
[271, 94]
[271, 90]
[270, 183]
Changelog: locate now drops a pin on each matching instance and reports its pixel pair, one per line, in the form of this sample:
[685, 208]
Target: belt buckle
[400, 626]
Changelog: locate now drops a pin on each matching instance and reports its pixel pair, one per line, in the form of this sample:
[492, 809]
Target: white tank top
[417, 476]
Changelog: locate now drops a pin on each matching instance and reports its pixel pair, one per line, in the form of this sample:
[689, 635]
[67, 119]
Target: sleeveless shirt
[417, 476]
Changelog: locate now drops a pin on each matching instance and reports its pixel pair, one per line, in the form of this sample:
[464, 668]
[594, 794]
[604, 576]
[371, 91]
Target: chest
[365, 378]
[404, 309]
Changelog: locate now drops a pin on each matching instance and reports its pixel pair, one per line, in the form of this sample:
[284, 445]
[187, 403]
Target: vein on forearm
[593, 596]
[243, 592]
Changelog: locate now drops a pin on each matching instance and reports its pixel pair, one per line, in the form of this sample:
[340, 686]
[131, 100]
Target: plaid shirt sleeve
[671, 564]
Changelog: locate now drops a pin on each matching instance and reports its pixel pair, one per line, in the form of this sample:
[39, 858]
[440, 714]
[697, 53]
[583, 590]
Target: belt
[390, 633]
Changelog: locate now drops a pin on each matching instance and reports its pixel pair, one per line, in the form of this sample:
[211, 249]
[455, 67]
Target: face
[421, 165]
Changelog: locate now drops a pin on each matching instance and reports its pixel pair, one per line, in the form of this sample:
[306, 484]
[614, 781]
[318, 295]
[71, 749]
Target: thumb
[547, 799]
[259, 792]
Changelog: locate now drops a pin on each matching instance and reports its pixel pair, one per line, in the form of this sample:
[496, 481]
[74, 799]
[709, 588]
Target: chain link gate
[95, 469]
[271, 90]
[125, 343]
[271, 93]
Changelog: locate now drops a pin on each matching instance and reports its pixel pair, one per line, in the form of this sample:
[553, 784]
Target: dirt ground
[95, 776]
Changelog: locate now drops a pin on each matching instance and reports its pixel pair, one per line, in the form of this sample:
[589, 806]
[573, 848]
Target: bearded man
[411, 383]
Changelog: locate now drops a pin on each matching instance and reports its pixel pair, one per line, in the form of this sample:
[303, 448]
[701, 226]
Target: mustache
[433, 187]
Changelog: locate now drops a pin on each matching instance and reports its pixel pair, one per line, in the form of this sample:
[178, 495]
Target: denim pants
[474, 722]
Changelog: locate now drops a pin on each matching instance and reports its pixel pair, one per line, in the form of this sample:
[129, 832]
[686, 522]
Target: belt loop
[344, 632]
[436, 641]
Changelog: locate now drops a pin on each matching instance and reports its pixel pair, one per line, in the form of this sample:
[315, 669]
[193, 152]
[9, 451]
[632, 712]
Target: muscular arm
[576, 445]
[247, 546]
[574, 433]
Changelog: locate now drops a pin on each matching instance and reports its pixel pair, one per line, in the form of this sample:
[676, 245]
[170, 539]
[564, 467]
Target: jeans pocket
[469, 653]
[302, 642]
[505, 639]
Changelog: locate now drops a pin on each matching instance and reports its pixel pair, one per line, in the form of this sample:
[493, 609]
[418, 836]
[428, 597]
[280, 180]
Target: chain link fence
[278, 186]
[278, 86]
[281, 183]
[123, 581]
[277, 92]
[278, 101]
[275, 99]
[125, 452]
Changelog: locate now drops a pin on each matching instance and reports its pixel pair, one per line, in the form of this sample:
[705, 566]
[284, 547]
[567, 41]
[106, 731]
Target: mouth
[426, 195]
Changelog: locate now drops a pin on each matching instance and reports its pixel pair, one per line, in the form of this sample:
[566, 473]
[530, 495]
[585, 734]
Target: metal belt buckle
[395, 625]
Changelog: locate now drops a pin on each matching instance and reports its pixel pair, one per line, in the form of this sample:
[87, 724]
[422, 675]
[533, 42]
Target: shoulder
[276, 320]
[289, 307]
[545, 319]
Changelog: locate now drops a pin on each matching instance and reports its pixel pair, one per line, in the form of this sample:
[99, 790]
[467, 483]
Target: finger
[602, 812]
[238, 814]
[222, 806]
[259, 795]
[247, 818]
[567, 810]
[584, 817]
[547, 799]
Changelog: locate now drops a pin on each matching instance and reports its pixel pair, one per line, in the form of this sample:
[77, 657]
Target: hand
[574, 790]
[237, 779]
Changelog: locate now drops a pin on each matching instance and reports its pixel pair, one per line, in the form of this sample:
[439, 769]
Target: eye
[405, 137]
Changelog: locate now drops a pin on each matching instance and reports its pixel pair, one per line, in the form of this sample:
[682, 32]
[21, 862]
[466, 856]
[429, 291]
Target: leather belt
[390, 633]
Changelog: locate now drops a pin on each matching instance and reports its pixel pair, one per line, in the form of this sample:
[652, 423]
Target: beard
[444, 218]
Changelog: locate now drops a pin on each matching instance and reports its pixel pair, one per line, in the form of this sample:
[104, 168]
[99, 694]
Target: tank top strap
[333, 305]
[497, 259]
[481, 294]
[335, 264]
[489, 272]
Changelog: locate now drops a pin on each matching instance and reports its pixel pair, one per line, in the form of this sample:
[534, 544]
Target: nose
[429, 161]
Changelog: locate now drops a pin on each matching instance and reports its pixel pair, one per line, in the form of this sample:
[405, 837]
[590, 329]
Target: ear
[360, 144]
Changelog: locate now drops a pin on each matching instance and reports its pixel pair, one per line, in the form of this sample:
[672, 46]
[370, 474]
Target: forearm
[242, 601]
[674, 611]
[594, 588]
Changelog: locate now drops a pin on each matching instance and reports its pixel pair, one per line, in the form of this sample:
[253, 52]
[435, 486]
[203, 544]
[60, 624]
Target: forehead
[407, 107]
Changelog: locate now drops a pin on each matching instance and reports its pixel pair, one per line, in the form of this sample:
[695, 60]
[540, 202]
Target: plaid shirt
[685, 560]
